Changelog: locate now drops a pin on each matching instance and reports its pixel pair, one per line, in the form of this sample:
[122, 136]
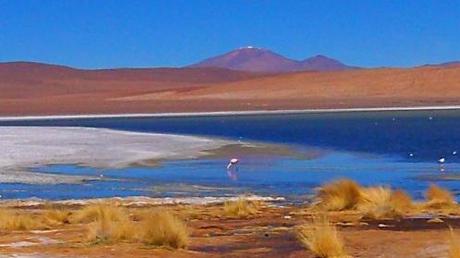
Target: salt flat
[25, 148]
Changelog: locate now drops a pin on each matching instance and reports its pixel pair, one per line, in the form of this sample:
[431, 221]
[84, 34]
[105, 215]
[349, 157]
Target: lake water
[398, 149]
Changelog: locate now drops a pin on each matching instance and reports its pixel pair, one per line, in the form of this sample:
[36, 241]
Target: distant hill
[446, 64]
[19, 71]
[264, 60]
[21, 81]
[41, 89]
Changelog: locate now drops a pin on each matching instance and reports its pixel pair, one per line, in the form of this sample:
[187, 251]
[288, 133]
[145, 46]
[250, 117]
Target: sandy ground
[269, 233]
[28, 147]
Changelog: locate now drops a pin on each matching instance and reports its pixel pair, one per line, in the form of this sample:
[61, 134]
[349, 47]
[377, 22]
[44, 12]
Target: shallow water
[399, 149]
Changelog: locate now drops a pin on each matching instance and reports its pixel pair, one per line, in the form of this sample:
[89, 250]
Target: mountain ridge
[256, 59]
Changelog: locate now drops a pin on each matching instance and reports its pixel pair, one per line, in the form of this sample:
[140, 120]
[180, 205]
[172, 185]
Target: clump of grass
[107, 223]
[373, 202]
[56, 217]
[162, 228]
[13, 220]
[377, 203]
[438, 198]
[97, 212]
[112, 224]
[240, 208]
[454, 244]
[105, 230]
[401, 201]
[322, 238]
[339, 195]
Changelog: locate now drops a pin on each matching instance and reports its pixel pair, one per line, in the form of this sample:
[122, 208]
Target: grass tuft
[373, 202]
[97, 212]
[13, 220]
[438, 198]
[112, 224]
[55, 217]
[339, 195]
[322, 238]
[107, 231]
[240, 208]
[377, 203]
[401, 201]
[108, 223]
[162, 228]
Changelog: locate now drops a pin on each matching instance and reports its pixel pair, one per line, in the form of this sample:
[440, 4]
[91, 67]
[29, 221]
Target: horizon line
[228, 113]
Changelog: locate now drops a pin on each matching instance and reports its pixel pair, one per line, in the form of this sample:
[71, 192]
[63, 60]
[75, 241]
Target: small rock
[435, 220]
[345, 224]
[385, 226]
[287, 217]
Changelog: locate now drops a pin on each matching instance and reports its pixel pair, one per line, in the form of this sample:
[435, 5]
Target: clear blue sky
[116, 33]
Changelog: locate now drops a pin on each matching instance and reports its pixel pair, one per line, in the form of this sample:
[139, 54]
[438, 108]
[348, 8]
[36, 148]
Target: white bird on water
[441, 160]
[232, 163]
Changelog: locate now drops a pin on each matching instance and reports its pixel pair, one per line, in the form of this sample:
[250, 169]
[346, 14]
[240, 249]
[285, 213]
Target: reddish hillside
[31, 89]
[29, 70]
[26, 79]
[345, 89]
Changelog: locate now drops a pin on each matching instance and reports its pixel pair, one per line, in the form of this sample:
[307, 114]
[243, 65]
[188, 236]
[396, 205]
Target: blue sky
[116, 33]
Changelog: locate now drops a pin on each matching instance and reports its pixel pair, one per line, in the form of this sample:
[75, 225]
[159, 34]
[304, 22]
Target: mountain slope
[24, 80]
[322, 63]
[445, 65]
[18, 71]
[250, 59]
[263, 60]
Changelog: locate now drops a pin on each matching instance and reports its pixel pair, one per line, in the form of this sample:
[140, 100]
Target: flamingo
[232, 162]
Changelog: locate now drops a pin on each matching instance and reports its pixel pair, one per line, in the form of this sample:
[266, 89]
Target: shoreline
[32, 147]
[226, 113]
[140, 201]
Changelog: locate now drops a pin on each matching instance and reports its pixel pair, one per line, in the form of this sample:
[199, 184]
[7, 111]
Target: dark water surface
[399, 149]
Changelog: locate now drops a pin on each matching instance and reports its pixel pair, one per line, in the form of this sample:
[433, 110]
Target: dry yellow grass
[401, 201]
[376, 203]
[373, 202]
[454, 244]
[108, 223]
[95, 212]
[154, 227]
[322, 238]
[14, 220]
[106, 230]
[339, 195]
[161, 228]
[56, 217]
[240, 208]
[438, 198]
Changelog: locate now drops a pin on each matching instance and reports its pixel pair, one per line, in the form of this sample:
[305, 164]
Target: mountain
[263, 60]
[322, 63]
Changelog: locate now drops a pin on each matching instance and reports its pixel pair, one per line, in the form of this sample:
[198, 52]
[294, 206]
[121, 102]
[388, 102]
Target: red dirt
[267, 234]
[26, 89]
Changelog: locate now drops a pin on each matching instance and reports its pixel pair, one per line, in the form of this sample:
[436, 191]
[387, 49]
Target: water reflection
[232, 169]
